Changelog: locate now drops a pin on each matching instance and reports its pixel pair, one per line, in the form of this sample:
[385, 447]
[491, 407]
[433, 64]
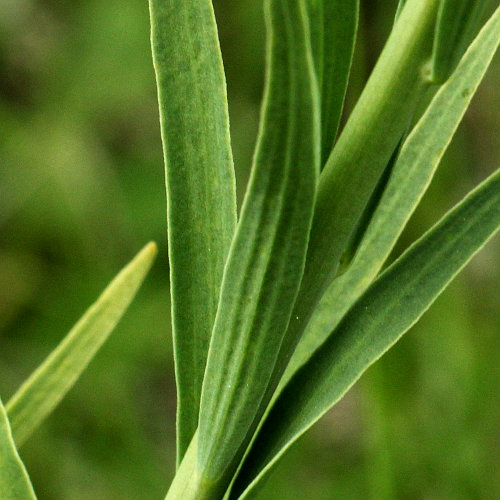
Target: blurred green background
[81, 190]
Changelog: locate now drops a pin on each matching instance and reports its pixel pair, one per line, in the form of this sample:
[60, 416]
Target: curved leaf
[14, 481]
[411, 175]
[360, 157]
[49, 383]
[399, 297]
[267, 256]
[393, 303]
[201, 200]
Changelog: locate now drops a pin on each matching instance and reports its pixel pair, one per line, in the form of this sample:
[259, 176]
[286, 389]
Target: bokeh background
[81, 190]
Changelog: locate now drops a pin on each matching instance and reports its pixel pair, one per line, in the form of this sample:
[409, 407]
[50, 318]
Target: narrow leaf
[49, 383]
[360, 157]
[315, 13]
[201, 204]
[411, 175]
[14, 481]
[333, 33]
[458, 21]
[340, 21]
[267, 256]
[394, 302]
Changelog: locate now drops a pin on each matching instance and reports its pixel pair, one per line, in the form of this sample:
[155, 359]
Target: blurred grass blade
[340, 20]
[49, 383]
[14, 481]
[360, 156]
[458, 21]
[267, 256]
[201, 200]
[411, 175]
[393, 303]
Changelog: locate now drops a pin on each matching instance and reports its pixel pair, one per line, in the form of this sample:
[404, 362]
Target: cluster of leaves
[277, 313]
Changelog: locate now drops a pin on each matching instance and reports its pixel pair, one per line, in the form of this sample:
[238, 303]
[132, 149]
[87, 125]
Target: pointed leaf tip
[50, 382]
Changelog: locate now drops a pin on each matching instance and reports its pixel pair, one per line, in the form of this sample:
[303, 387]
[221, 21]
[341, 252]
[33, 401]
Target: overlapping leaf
[45, 388]
[267, 256]
[14, 480]
[360, 156]
[333, 33]
[200, 185]
[340, 20]
[395, 301]
[382, 315]
[411, 175]
[458, 21]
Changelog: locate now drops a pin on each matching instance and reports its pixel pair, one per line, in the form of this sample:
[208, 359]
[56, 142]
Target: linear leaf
[360, 157]
[267, 256]
[411, 175]
[317, 32]
[458, 21]
[201, 201]
[333, 33]
[340, 20]
[50, 382]
[393, 303]
[14, 481]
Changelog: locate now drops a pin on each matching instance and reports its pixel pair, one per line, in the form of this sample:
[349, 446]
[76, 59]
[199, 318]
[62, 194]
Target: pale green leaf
[187, 484]
[14, 481]
[458, 21]
[201, 201]
[266, 260]
[49, 383]
[392, 304]
[411, 175]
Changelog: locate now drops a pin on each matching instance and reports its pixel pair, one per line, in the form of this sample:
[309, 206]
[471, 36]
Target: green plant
[276, 315]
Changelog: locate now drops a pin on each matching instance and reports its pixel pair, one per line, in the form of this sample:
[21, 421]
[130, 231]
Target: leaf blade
[389, 307]
[14, 481]
[48, 384]
[267, 257]
[340, 20]
[365, 334]
[360, 156]
[457, 23]
[411, 175]
[201, 199]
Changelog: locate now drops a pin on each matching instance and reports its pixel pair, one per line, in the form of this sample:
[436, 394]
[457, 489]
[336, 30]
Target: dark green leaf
[200, 185]
[267, 256]
[457, 24]
[411, 175]
[360, 156]
[396, 300]
[383, 314]
[340, 21]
